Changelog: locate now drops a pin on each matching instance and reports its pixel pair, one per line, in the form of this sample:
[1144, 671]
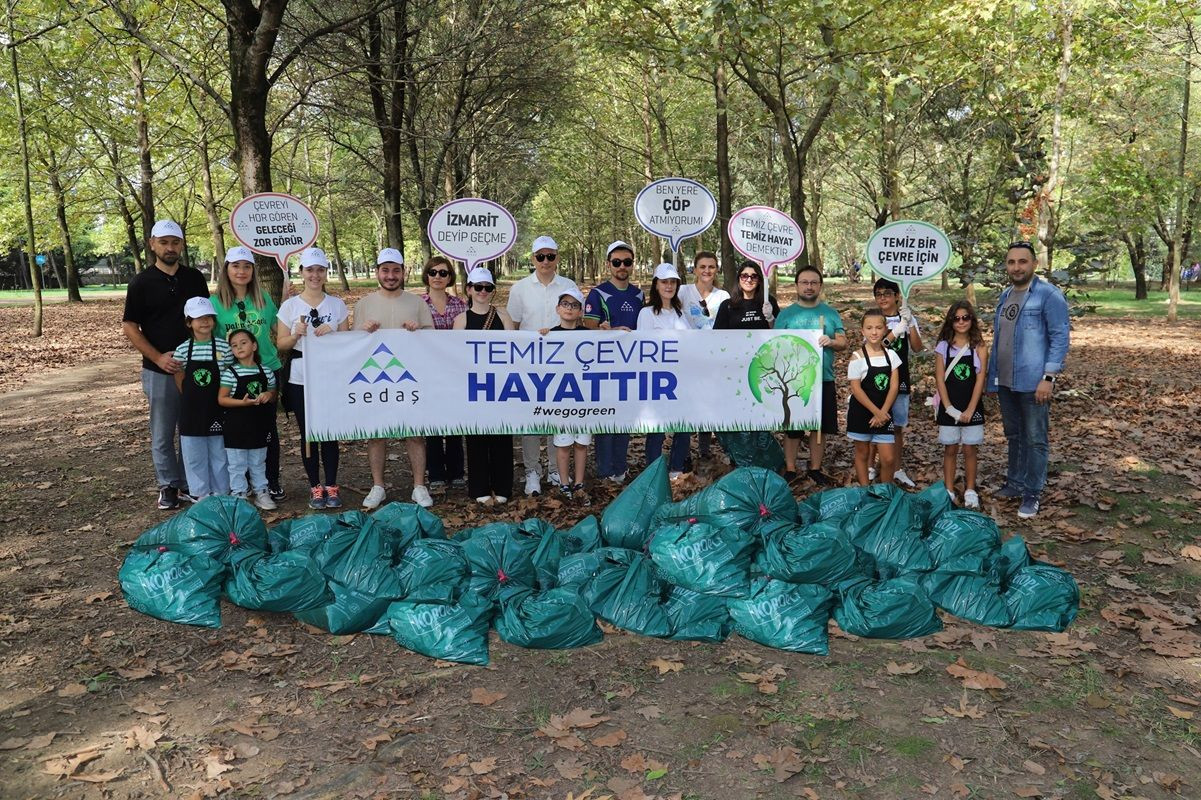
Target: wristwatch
[1050, 378]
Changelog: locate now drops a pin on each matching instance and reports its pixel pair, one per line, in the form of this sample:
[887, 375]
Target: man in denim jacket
[1031, 336]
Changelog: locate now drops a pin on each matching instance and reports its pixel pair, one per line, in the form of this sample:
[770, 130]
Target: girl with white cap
[315, 309]
[664, 311]
[202, 357]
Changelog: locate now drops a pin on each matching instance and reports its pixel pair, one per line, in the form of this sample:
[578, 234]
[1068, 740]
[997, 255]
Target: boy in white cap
[392, 307]
[153, 322]
[533, 303]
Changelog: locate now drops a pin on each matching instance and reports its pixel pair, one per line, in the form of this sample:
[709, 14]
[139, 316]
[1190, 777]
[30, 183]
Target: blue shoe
[317, 498]
[1029, 508]
[1007, 492]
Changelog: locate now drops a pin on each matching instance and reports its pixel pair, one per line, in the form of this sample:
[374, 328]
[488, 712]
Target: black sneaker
[168, 498]
[565, 489]
[581, 495]
[185, 496]
[820, 478]
[277, 493]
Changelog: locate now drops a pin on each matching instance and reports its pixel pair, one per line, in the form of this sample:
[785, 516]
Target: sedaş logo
[383, 367]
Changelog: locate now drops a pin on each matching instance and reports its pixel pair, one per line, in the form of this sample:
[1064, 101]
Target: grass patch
[913, 746]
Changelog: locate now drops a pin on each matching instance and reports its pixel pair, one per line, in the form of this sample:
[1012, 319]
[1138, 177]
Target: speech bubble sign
[675, 209]
[274, 224]
[766, 235]
[472, 230]
[908, 251]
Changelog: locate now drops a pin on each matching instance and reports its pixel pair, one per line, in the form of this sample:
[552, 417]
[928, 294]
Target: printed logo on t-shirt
[1010, 311]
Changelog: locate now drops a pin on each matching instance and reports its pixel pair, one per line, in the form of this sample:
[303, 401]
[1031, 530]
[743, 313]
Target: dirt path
[264, 707]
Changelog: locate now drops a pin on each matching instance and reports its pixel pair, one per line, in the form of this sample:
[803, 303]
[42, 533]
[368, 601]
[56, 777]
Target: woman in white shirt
[664, 312]
[325, 314]
[700, 300]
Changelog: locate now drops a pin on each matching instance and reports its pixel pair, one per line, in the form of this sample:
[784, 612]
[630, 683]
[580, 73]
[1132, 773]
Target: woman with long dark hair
[746, 308]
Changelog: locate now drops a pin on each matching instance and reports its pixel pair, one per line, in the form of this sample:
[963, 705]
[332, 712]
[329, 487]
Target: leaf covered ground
[99, 701]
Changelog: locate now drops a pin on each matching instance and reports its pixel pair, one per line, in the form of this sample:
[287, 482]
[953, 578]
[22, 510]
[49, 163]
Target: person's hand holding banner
[675, 209]
[908, 252]
[472, 230]
[274, 224]
[766, 236]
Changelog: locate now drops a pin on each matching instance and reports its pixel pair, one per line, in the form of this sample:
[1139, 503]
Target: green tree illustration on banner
[787, 366]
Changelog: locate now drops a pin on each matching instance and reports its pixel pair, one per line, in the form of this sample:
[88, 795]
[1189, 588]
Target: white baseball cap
[197, 307]
[314, 257]
[238, 253]
[166, 227]
[480, 275]
[666, 272]
[544, 243]
[618, 245]
[389, 254]
[573, 293]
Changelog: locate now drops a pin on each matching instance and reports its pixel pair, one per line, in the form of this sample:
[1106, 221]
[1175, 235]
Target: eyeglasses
[440, 273]
[621, 262]
[962, 318]
[540, 257]
[484, 287]
[748, 276]
[241, 310]
[570, 305]
[884, 293]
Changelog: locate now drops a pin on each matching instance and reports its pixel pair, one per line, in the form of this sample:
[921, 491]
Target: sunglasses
[748, 276]
[704, 308]
[962, 318]
[621, 262]
[440, 273]
[241, 310]
[484, 287]
[314, 317]
[571, 305]
[540, 257]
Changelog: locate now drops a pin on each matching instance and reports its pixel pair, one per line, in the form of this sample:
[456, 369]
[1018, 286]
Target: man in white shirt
[392, 307]
[533, 301]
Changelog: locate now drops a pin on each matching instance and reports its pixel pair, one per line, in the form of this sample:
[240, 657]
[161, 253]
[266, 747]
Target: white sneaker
[900, 477]
[871, 474]
[674, 476]
[501, 499]
[263, 500]
[421, 496]
[486, 500]
[553, 478]
[951, 495]
[374, 498]
[533, 486]
[618, 479]
[971, 499]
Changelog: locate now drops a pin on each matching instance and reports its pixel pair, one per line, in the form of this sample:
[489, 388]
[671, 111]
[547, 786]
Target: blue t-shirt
[797, 317]
[618, 307]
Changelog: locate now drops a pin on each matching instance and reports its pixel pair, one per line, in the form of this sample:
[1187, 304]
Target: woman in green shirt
[241, 303]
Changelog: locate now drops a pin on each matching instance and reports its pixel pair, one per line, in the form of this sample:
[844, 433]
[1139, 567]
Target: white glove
[767, 315]
[899, 329]
[907, 316]
[954, 413]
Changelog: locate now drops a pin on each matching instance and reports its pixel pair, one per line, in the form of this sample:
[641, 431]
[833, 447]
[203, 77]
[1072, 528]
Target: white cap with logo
[573, 293]
[389, 254]
[197, 307]
[666, 272]
[480, 275]
[544, 243]
[618, 245]
[166, 227]
[238, 253]
[314, 257]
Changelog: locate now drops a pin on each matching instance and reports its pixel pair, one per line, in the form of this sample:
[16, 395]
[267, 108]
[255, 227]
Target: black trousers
[444, 458]
[490, 465]
[313, 456]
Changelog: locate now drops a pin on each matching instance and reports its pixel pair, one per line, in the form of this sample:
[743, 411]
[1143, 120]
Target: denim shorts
[900, 410]
[960, 434]
[875, 438]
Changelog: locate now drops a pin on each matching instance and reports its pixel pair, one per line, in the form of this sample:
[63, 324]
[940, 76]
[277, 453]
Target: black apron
[249, 427]
[900, 346]
[875, 386]
[960, 385]
[199, 413]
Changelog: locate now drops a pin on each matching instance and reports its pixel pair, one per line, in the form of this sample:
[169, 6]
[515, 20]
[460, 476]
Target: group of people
[213, 368]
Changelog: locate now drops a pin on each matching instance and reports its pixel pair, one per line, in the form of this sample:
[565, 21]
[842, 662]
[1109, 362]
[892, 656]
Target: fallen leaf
[1158, 558]
[666, 665]
[569, 768]
[1118, 582]
[906, 668]
[1180, 713]
[67, 764]
[974, 679]
[376, 741]
[1034, 767]
[457, 760]
[956, 762]
[784, 762]
[214, 766]
[98, 597]
[1191, 551]
[964, 710]
[483, 697]
[1094, 700]
[1028, 791]
[98, 777]
[13, 744]
[649, 712]
[610, 739]
[139, 737]
[72, 690]
[639, 763]
[483, 766]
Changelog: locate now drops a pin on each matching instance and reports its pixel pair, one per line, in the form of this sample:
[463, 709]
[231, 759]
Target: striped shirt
[229, 378]
[203, 351]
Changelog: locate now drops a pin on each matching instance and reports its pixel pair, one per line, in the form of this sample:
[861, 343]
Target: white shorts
[568, 439]
[960, 434]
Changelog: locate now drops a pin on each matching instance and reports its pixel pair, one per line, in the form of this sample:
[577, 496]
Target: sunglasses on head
[540, 257]
[484, 287]
[621, 262]
[441, 273]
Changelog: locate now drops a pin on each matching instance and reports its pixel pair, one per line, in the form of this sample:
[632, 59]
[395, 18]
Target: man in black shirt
[154, 324]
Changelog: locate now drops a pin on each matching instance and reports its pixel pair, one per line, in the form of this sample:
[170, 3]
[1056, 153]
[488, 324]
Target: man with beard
[614, 305]
[153, 323]
[1031, 334]
[392, 307]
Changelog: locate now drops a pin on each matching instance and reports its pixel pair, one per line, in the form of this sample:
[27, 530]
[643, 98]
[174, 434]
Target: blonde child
[873, 374]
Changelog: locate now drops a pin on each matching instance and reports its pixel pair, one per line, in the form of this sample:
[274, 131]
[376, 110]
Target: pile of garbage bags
[741, 555]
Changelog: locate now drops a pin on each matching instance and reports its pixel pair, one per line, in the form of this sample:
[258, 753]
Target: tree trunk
[1047, 223]
[23, 133]
[216, 226]
[725, 193]
[64, 231]
[1178, 227]
[145, 165]
[58, 278]
[333, 221]
[1136, 248]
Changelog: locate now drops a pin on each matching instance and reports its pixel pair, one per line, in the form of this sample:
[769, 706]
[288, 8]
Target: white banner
[395, 383]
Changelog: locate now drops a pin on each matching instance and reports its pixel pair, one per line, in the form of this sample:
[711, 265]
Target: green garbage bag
[975, 598]
[625, 592]
[554, 546]
[1012, 556]
[583, 537]
[704, 558]
[884, 526]
[287, 581]
[304, 533]
[456, 632]
[746, 498]
[575, 570]
[786, 616]
[898, 608]
[752, 449]
[432, 571]
[409, 521]
[817, 553]
[1042, 598]
[697, 617]
[498, 556]
[626, 521]
[356, 607]
[833, 504]
[172, 585]
[963, 542]
[930, 503]
[548, 620]
[215, 526]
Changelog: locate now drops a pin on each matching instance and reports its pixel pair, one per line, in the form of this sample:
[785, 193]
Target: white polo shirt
[533, 306]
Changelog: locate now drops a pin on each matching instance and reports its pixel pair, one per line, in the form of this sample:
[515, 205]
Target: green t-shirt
[259, 321]
[797, 317]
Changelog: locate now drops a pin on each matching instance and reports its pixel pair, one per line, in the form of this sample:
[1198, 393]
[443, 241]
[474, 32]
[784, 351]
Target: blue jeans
[242, 461]
[204, 464]
[611, 454]
[163, 397]
[1025, 423]
[679, 449]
